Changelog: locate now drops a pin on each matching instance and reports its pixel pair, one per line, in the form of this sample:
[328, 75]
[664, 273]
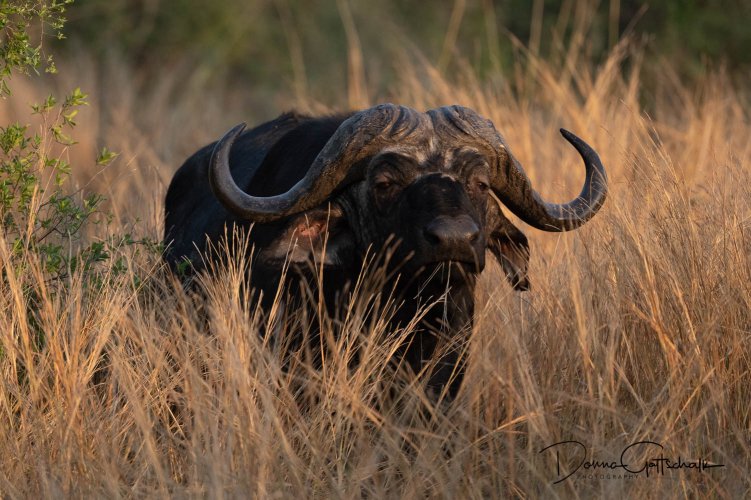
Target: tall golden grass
[638, 326]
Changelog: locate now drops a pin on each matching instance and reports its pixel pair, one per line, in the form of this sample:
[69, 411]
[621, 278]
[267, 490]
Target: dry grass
[638, 326]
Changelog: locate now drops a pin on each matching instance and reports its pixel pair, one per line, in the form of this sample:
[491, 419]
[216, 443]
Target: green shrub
[41, 214]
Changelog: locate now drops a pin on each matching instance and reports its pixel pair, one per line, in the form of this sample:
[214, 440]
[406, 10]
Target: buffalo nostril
[432, 235]
[447, 231]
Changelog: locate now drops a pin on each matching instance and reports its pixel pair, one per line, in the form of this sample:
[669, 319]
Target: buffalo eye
[385, 189]
[383, 185]
[479, 184]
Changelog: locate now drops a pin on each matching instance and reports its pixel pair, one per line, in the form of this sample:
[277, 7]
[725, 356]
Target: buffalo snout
[454, 238]
[450, 232]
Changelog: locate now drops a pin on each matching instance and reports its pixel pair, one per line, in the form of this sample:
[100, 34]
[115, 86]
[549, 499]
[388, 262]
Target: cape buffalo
[427, 185]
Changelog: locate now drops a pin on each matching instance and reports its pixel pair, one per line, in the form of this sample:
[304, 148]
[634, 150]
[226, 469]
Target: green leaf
[105, 157]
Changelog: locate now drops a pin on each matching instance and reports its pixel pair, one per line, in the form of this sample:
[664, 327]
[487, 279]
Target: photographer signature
[657, 465]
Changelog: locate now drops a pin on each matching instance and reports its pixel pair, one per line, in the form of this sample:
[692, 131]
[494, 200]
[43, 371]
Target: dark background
[302, 46]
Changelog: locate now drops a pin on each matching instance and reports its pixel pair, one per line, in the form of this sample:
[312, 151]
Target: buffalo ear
[320, 236]
[511, 248]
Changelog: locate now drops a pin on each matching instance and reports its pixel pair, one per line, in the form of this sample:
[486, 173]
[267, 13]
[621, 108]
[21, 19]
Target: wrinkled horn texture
[354, 140]
[338, 165]
[513, 187]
